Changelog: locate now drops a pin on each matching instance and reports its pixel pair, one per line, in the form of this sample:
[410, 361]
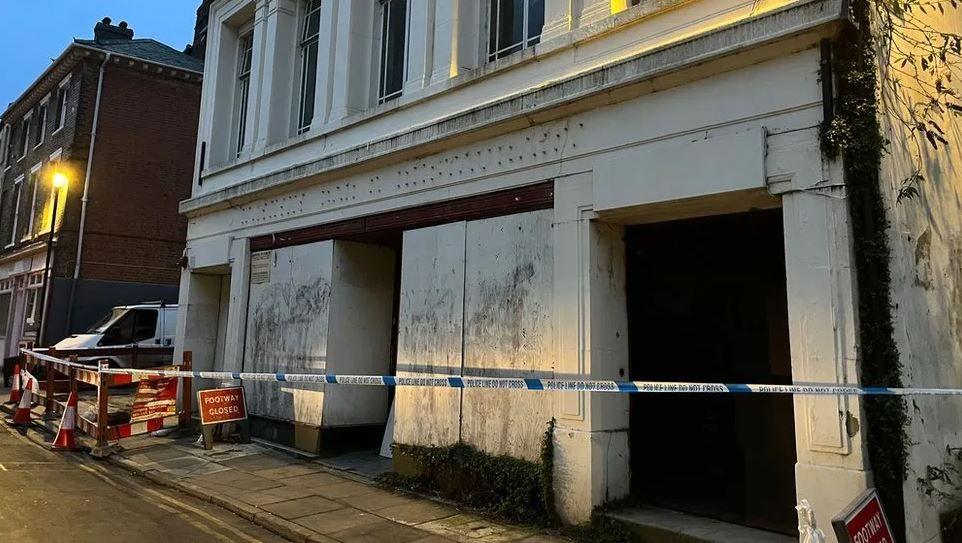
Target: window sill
[55, 132]
[37, 145]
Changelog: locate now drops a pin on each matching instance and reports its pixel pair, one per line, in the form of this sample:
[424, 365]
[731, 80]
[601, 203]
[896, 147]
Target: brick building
[117, 116]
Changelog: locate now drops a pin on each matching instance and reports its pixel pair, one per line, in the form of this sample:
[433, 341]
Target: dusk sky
[37, 31]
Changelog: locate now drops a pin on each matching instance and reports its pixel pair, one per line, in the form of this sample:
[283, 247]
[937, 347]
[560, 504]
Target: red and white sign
[863, 521]
[154, 399]
[221, 405]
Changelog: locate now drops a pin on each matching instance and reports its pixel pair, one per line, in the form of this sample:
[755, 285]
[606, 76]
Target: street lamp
[58, 180]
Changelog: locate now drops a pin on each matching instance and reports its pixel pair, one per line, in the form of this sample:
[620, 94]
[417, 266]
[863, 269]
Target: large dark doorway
[707, 303]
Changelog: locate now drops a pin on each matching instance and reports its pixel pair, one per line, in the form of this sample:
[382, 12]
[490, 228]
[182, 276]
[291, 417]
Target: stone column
[421, 27]
[560, 16]
[832, 464]
[457, 39]
[593, 11]
[351, 80]
[237, 308]
[326, 50]
[280, 52]
[258, 65]
[591, 436]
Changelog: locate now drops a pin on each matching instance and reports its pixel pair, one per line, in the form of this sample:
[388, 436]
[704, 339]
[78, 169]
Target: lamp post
[58, 181]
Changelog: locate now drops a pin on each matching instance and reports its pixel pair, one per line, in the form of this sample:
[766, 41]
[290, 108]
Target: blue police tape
[565, 385]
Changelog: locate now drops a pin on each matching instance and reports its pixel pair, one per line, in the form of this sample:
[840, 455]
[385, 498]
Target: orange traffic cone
[15, 387]
[21, 417]
[66, 440]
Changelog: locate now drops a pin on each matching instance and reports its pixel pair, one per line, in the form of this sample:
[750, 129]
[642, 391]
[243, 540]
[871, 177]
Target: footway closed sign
[218, 405]
[863, 521]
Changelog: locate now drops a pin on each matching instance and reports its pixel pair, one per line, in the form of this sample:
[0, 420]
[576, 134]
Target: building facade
[594, 189]
[116, 118]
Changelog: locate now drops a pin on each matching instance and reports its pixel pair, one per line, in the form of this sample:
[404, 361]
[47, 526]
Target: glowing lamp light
[59, 180]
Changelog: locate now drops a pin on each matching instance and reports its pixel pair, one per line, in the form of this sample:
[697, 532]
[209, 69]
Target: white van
[149, 326]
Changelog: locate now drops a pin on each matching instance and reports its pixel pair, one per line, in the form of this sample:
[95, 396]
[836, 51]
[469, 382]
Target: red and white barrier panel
[128, 379]
[86, 426]
[142, 427]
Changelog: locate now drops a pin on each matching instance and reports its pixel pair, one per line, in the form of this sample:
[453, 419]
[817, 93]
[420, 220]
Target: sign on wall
[863, 521]
[261, 267]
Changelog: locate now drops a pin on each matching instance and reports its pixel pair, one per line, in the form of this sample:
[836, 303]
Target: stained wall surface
[477, 295]
[287, 329]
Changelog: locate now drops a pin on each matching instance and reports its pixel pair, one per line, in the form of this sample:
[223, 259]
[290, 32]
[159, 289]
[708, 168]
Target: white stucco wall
[926, 265]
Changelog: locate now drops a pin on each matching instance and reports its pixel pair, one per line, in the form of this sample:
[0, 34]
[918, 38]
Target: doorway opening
[707, 303]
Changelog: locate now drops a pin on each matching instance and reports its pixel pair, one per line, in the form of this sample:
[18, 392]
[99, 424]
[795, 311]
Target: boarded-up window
[4, 310]
[322, 307]
[476, 299]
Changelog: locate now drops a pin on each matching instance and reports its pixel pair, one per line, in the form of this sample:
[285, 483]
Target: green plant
[508, 488]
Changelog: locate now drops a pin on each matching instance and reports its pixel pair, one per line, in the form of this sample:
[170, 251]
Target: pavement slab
[337, 520]
[417, 512]
[259, 498]
[314, 480]
[379, 531]
[470, 528]
[283, 472]
[256, 462]
[379, 499]
[254, 483]
[290, 492]
[301, 507]
[344, 489]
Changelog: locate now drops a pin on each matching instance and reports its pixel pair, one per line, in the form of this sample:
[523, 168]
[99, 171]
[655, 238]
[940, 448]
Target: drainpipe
[83, 200]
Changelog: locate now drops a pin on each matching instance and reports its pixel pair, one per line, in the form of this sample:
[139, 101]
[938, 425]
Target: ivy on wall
[855, 135]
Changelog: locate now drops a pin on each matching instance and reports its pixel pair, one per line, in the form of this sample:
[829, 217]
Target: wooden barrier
[77, 373]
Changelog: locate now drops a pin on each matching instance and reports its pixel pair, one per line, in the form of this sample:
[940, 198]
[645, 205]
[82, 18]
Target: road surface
[69, 497]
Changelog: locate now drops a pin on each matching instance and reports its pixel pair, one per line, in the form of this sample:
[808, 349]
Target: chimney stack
[104, 31]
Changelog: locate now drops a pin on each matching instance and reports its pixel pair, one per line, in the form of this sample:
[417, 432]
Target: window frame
[384, 35]
[32, 293]
[139, 314]
[526, 40]
[18, 188]
[25, 124]
[36, 170]
[63, 93]
[242, 86]
[43, 110]
[5, 131]
[306, 95]
[5, 315]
